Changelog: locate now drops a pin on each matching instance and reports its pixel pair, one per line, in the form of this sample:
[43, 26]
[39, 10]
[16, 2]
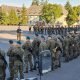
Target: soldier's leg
[71, 54]
[4, 74]
[34, 57]
[21, 72]
[16, 67]
[19, 36]
[67, 56]
[59, 62]
[26, 63]
[30, 62]
[11, 68]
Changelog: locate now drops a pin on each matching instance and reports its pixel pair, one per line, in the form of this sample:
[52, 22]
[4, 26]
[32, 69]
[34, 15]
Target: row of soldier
[21, 54]
[58, 29]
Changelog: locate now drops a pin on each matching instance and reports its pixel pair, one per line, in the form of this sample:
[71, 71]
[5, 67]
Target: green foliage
[77, 10]
[23, 17]
[68, 6]
[3, 18]
[35, 2]
[13, 18]
[51, 10]
[71, 17]
[73, 14]
[43, 2]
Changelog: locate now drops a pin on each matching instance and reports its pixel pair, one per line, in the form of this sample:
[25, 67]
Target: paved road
[68, 71]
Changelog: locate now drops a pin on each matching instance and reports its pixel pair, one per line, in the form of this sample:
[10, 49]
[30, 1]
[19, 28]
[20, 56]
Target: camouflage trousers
[2, 73]
[11, 69]
[28, 61]
[67, 56]
[18, 68]
[56, 59]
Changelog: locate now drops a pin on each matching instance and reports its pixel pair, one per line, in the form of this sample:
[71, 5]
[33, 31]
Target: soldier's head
[19, 27]
[36, 35]
[10, 41]
[18, 44]
[27, 38]
[42, 38]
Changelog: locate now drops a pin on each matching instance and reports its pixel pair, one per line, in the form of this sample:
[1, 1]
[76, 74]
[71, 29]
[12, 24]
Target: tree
[43, 2]
[35, 2]
[23, 17]
[77, 10]
[71, 17]
[68, 6]
[3, 18]
[50, 11]
[13, 18]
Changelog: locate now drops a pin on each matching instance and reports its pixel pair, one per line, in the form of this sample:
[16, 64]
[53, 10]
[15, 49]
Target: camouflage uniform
[57, 52]
[35, 47]
[18, 62]
[43, 46]
[28, 55]
[66, 48]
[11, 61]
[73, 47]
[51, 45]
[3, 64]
[19, 34]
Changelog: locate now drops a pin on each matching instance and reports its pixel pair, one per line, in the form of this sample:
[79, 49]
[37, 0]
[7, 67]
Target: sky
[27, 3]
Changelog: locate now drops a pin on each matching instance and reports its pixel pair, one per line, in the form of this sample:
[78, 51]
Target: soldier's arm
[22, 54]
[48, 44]
[33, 44]
[8, 52]
[3, 53]
[23, 46]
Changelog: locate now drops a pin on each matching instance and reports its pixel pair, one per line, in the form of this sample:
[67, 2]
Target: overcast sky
[28, 2]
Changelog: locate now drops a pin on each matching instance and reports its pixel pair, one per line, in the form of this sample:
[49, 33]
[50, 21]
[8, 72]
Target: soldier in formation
[11, 59]
[3, 65]
[18, 53]
[35, 50]
[28, 54]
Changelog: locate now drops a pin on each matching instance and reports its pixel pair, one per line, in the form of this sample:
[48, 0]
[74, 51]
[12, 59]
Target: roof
[8, 8]
[34, 10]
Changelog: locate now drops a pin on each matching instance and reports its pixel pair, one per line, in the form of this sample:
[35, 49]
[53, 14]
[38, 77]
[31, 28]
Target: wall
[12, 28]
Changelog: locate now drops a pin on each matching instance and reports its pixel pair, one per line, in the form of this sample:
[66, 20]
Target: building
[7, 9]
[34, 13]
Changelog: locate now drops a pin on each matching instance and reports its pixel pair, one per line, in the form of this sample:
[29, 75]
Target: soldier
[28, 54]
[30, 29]
[3, 65]
[43, 45]
[72, 47]
[11, 59]
[51, 45]
[66, 48]
[19, 34]
[35, 48]
[18, 62]
[57, 52]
